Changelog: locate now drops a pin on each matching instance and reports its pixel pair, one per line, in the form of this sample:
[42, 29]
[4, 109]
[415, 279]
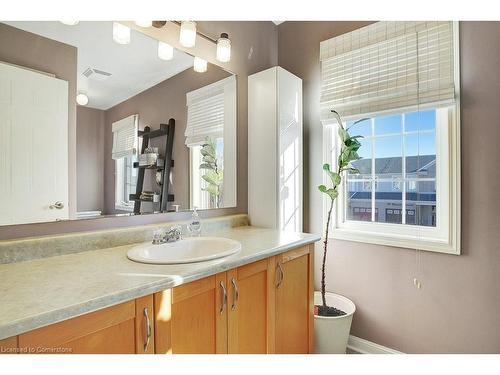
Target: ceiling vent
[96, 74]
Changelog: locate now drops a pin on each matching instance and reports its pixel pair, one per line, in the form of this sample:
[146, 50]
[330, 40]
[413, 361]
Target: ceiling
[134, 67]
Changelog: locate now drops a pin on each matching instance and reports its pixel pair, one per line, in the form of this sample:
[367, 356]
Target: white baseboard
[363, 346]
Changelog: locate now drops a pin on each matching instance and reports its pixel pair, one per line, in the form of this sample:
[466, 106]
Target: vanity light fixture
[82, 98]
[144, 23]
[223, 48]
[165, 51]
[121, 33]
[187, 37]
[200, 65]
[69, 22]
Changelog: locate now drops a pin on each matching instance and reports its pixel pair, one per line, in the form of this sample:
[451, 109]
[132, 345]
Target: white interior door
[33, 146]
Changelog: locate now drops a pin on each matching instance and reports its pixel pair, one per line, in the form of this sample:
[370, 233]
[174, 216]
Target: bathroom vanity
[259, 300]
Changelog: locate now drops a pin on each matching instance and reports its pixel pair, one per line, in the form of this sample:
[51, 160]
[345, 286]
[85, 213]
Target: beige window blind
[205, 111]
[386, 66]
[125, 141]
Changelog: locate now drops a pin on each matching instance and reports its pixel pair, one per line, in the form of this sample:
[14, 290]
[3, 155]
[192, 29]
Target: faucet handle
[177, 231]
[158, 236]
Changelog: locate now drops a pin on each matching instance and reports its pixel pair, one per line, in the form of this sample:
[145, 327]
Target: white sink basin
[189, 250]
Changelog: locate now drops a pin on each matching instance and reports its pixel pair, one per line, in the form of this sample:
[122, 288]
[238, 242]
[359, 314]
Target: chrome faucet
[174, 234]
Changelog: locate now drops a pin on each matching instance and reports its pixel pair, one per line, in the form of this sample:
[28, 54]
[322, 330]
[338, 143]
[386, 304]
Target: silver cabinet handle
[236, 294]
[59, 205]
[281, 275]
[224, 297]
[148, 329]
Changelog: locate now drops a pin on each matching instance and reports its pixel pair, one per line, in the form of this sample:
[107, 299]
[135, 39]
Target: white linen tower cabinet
[275, 149]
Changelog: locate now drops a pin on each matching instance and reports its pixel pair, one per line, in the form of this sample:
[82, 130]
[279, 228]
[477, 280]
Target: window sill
[124, 208]
[396, 240]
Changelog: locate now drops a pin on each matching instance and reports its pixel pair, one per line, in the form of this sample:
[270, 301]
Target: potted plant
[214, 175]
[332, 312]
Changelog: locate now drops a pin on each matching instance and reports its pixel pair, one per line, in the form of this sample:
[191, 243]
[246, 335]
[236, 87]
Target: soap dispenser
[195, 224]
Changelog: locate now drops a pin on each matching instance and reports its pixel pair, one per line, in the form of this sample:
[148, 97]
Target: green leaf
[212, 189]
[322, 188]
[353, 170]
[337, 117]
[333, 193]
[207, 166]
[209, 159]
[343, 134]
[212, 177]
[335, 177]
[326, 167]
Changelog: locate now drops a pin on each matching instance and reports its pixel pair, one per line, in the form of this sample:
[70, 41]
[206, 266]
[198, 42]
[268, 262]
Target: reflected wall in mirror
[149, 133]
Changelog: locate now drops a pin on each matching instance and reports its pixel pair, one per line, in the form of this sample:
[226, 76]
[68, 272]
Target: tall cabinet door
[33, 146]
[192, 318]
[251, 308]
[294, 301]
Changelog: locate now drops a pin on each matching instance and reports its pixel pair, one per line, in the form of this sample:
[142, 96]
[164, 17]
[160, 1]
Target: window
[126, 182]
[211, 113]
[399, 160]
[400, 81]
[125, 149]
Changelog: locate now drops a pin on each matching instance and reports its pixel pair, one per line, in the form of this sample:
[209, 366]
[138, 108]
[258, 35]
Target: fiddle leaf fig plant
[349, 146]
[214, 174]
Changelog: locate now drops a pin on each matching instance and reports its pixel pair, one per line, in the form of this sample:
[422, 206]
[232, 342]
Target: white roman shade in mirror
[206, 108]
[386, 66]
[125, 141]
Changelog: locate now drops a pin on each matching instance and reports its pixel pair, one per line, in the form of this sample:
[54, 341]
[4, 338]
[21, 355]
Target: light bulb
[82, 98]
[121, 33]
[199, 65]
[187, 37]
[165, 51]
[144, 23]
[69, 22]
[223, 48]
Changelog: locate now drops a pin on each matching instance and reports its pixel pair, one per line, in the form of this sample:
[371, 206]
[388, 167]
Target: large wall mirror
[147, 128]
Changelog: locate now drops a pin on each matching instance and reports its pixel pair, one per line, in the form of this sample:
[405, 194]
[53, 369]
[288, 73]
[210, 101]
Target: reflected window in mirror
[125, 183]
[211, 119]
[124, 153]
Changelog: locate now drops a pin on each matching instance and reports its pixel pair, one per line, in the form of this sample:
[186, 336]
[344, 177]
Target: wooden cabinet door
[191, 318]
[294, 301]
[8, 345]
[251, 308]
[126, 328]
[107, 331]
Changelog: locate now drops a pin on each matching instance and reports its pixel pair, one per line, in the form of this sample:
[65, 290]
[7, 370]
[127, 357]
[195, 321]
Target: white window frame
[445, 237]
[120, 187]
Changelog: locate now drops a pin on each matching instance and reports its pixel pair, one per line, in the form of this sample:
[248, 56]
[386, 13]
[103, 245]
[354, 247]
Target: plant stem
[325, 249]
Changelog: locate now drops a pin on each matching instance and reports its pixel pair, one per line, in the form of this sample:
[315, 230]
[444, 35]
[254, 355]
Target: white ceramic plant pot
[331, 333]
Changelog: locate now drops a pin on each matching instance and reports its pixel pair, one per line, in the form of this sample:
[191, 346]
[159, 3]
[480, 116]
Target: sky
[419, 135]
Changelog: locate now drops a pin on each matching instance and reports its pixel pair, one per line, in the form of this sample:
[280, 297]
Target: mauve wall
[457, 310]
[35, 52]
[154, 106]
[90, 158]
[254, 48]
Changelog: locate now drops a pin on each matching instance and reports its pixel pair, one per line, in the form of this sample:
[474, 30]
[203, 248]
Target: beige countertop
[39, 292]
